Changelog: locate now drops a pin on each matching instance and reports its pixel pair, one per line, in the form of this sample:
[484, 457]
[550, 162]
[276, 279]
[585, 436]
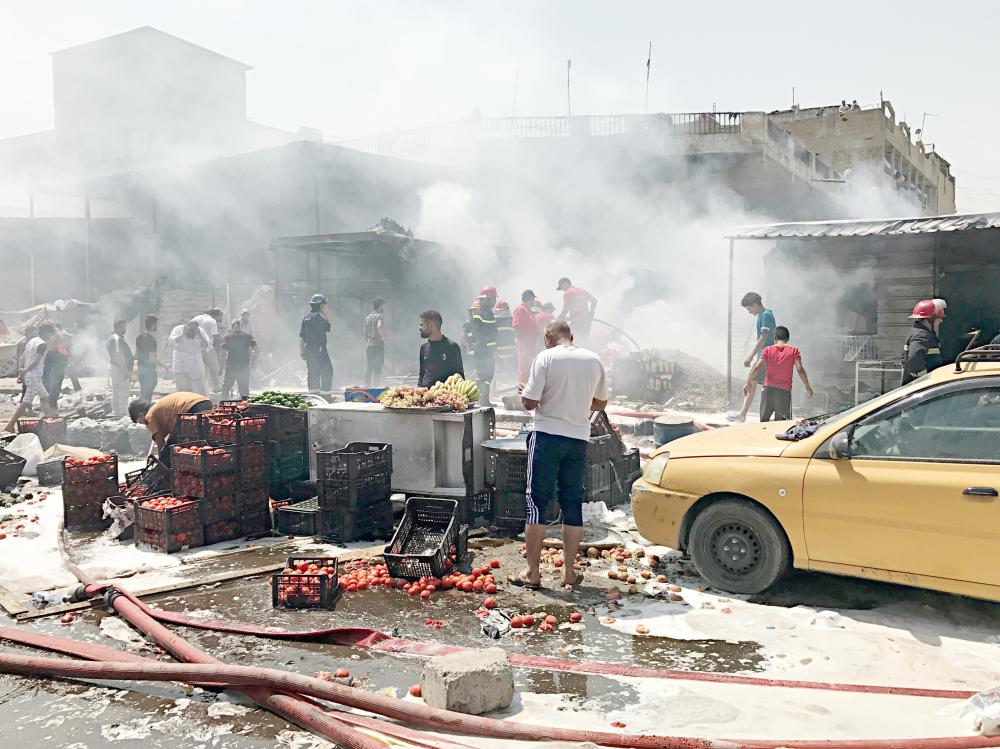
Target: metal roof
[890, 227]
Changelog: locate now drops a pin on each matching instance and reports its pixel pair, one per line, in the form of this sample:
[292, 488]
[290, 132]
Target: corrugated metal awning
[877, 228]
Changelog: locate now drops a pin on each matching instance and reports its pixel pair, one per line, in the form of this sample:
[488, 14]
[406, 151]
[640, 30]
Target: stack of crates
[247, 435]
[168, 530]
[354, 487]
[86, 484]
[288, 430]
[208, 473]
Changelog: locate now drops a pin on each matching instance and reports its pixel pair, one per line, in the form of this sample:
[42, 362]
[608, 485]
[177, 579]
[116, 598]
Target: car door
[918, 492]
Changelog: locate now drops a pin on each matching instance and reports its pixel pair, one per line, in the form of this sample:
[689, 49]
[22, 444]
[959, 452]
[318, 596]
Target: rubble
[469, 682]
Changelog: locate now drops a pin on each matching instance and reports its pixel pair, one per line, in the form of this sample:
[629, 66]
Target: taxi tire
[748, 522]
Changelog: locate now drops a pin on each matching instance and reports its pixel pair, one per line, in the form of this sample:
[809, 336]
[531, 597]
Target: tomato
[545, 627]
[517, 622]
[576, 616]
[528, 621]
[490, 603]
[425, 594]
[341, 673]
[551, 620]
[495, 563]
[489, 588]
[415, 691]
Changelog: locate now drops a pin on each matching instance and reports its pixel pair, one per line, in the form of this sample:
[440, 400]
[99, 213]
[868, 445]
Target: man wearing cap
[312, 345]
[922, 350]
[578, 308]
[484, 341]
[526, 334]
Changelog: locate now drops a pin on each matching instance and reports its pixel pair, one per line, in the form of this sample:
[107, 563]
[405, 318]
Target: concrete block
[472, 682]
[84, 433]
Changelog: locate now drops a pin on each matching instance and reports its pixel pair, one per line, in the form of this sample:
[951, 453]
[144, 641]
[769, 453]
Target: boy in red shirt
[780, 359]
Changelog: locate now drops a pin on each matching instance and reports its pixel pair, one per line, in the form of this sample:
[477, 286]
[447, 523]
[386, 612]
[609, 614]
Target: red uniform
[526, 333]
[576, 303]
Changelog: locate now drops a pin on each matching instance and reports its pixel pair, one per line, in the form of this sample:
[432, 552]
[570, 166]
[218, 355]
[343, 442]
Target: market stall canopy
[873, 228]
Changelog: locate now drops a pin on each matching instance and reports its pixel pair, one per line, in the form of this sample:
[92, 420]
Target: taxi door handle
[980, 491]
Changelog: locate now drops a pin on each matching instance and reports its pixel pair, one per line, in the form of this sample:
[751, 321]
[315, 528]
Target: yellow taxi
[902, 488]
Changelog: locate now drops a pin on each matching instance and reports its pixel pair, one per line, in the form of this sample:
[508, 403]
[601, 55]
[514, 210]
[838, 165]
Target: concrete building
[134, 100]
[872, 140]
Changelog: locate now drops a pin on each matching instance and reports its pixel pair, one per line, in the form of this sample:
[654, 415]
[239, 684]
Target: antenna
[649, 61]
[569, 108]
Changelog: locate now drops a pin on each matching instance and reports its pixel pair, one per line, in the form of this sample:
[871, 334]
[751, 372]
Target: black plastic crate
[77, 471]
[255, 523]
[218, 531]
[49, 430]
[83, 499]
[211, 486]
[598, 477]
[155, 478]
[509, 470]
[290, 468]
[355, 494]
[599, 450]
[600, 426]
[368, 524]
[202, 458]
[510, 509]
[168, 530]
[50, 472]
[423, 539]
[85, 517]
[252, 500]
[232, 407]
[281, 420]
[234, 429]
[189, 427]
[291, 445]
[254, 455]
[304, 591]
[356, 460]
[298, 519]
[219, 508]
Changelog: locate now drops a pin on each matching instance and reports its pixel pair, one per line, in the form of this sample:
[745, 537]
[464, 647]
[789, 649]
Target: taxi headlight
[653, 472]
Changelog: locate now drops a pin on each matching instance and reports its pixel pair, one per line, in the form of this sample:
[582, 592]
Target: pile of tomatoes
[203, 458]
[304, 584]
[364, 574]
[211, 487]
[98, 468]
[546, 622]
[479, 580]
[164, 504]
[231, 430]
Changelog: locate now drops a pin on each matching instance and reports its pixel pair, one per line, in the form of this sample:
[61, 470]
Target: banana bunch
[456, 384]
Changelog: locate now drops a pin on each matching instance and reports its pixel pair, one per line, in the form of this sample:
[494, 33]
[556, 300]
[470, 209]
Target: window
[962, 425]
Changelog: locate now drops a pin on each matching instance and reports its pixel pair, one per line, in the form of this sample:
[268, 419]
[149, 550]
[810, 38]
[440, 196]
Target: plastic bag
[122, 517]
[28, 447]
[982, 711]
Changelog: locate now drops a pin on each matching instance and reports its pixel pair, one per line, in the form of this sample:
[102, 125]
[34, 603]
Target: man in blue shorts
[566, 384]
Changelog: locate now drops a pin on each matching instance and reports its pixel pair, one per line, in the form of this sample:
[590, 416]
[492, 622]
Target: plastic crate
[168, 530]
[254, 454]
[599, 450]
[354, 495]
[281, 420]
[253, 476]
[48, 430]
[219, 508]
[598, 478]
[422, 541]
[84, 494]
[291, 446]
[50, 472]
[356, 460]
[232, 407]
[217, 459]
[233, 429]
[298, 519]
[600, 425]
[189, 427]
[510, 509]
[218, 531]
[155, 478]
[255, 523]
[369, 524]
[304, 591]
[509, 471]
[290, 468]
[75, 472]
[252, 500]
[85, 517]
[212, 486]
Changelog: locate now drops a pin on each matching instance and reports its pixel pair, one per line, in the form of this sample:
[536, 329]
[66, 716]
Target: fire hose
[267, 687]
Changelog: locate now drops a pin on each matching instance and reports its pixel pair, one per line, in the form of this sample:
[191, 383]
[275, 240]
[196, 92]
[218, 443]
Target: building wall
[873, 137]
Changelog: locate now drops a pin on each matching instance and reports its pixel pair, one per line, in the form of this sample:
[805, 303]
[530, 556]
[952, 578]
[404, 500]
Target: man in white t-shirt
[566, 384]
[190, 343]
[30, 374]
[209, 323]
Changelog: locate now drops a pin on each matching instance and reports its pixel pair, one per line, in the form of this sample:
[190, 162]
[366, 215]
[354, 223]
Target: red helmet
[488, 291]
[474, 306]
[927, 309]
[503, 305]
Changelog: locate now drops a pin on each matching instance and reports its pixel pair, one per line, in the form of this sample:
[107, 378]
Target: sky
[360, 68]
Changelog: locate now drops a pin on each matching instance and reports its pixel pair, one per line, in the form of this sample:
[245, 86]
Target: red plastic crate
[203, 459]
[211, 486]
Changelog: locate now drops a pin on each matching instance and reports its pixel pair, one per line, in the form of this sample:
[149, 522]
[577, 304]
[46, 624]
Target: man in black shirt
[439, 357]
[241, 351]
[922, 351]
[312, 345]
[145, 356]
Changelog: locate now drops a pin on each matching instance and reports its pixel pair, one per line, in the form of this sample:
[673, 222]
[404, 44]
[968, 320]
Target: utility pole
[569, 107]
[649, 61]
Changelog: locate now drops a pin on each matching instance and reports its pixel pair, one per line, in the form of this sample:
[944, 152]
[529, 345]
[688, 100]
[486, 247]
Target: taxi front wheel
[738, 547]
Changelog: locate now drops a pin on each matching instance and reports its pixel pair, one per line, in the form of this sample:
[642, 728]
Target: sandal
[520, 582]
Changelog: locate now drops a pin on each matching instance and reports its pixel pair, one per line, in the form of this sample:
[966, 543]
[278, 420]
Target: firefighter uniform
[506, 369]
[484, 344]
[921, 353]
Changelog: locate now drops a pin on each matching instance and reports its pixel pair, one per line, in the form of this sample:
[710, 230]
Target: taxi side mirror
[840, 446]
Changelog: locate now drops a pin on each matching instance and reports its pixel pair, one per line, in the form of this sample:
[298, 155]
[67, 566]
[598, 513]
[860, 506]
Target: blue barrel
[668, 428]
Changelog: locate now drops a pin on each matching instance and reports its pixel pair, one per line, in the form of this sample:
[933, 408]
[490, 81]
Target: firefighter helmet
[503, 305]
[488, 291]
[927, 309]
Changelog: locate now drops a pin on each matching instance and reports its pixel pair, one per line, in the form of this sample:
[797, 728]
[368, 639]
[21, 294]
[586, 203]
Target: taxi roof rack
[988, 353]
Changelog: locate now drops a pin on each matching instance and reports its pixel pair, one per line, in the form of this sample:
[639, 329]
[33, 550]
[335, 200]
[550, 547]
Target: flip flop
[519, 582]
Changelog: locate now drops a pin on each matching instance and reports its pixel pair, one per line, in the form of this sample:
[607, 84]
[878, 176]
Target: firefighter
[466, 342]
[922, 350]
[506, 344]
[484, 338]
